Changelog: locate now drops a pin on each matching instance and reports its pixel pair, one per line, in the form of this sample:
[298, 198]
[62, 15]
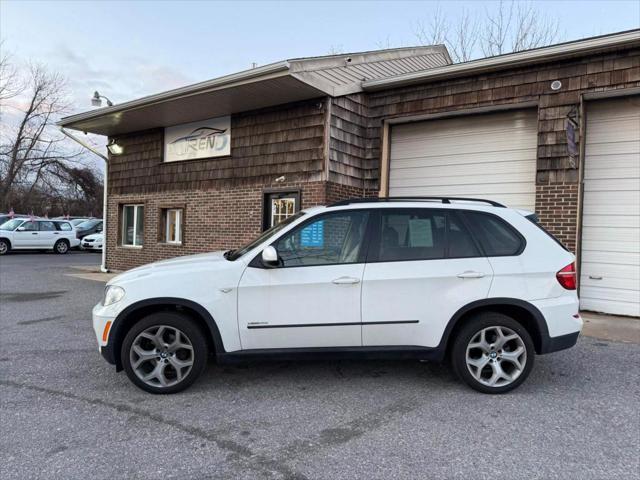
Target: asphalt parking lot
[66, 414]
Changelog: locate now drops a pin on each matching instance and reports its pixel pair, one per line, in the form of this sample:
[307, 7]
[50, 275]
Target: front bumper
[103, 318]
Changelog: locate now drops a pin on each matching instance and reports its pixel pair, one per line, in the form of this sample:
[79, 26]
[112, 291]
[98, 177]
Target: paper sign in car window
[313, 235]
[420, 232]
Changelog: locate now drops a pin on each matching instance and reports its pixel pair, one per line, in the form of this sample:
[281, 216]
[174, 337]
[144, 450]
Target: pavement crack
[237, 452]
[40, 320]
[30, 296]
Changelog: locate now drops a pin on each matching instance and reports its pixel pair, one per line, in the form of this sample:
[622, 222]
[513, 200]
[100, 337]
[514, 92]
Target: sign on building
[203, 139]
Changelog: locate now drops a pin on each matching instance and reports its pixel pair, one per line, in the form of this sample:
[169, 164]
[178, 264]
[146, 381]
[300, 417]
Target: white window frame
[178, 225]
[281, 216]
[135, 206]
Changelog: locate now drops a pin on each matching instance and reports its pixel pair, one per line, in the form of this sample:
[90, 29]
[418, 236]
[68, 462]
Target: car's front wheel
[493, 353]
[164, 352]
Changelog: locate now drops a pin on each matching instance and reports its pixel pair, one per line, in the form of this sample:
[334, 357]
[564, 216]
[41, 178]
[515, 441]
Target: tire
[5, 247]
[491, 366]
[154, 336]
[61, 247]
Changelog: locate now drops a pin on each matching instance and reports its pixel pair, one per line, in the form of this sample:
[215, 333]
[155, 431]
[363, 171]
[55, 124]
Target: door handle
[470, 274]
[595, 277]
[34, 233]
[346, 281]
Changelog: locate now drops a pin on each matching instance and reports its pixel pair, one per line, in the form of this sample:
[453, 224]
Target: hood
[94, 236]
[170, 264]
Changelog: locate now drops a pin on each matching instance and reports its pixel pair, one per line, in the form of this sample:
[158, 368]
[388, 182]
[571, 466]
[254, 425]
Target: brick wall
[557, 208]
[213, 219]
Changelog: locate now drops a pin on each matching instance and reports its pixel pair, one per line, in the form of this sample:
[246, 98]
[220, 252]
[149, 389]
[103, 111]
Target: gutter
[103, 265]
[210, 85]
[509, 60]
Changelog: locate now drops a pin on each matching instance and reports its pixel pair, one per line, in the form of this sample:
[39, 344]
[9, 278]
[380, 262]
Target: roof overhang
[253, 89]
[560, 51]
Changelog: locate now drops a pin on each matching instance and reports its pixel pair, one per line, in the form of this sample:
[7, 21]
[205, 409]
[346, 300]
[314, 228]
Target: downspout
[103, 266]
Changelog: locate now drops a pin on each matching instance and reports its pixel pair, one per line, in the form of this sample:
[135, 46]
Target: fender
[538, 318]
[109, 352]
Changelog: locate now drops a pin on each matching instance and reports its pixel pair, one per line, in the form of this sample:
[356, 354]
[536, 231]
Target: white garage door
[489, 156]
[610, 274]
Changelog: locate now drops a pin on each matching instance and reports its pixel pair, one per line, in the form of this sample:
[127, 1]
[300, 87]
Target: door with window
[48, 235]
[312, 299]
[422, 265]
[279, 206]
[27, 235]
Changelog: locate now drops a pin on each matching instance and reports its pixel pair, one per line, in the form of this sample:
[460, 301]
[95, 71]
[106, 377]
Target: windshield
[12, 224]
[78, 221]
[87, 224]
[235, 254]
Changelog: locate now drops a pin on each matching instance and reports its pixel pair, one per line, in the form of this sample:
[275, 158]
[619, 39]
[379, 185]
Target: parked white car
[92, 242]
[37, 234]
[424, 279]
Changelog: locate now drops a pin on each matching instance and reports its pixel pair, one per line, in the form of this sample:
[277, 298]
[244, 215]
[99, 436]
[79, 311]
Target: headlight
[112, 294]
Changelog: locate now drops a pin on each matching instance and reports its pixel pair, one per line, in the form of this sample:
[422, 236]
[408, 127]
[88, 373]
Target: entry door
[29, 237]
[312, 299]
[424, 266]
[610, 266]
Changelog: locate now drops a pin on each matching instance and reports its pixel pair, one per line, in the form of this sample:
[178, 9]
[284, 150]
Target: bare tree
[9, 84]
[511, 27]
[34, 157]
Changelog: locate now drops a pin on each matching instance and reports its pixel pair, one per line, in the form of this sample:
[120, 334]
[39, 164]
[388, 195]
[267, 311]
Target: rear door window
[47, 227]
[496, 236]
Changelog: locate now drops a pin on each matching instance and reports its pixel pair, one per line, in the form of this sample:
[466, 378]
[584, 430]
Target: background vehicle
[92, 242]
[423, 278]
[78, 221]
[93, 225]
[5, 217]
[37, 234]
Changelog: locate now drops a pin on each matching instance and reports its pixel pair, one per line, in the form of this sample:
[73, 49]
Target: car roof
[399, 203]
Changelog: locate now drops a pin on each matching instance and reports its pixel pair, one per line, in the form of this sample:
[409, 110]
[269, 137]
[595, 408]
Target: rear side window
[47, 227]
[63, 226]
[496, 236]
[423, 234]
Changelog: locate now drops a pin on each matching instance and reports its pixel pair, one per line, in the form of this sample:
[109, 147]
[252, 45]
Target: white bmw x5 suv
[412, 278]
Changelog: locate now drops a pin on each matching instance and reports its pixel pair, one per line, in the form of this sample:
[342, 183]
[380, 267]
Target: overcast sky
[127, 49]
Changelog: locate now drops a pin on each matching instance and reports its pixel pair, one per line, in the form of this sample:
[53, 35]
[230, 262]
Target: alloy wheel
[61, 247]
[496, 356]
[161, 356]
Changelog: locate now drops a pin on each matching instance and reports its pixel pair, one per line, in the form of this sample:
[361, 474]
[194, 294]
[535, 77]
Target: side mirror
[270, 257]
[20, 229]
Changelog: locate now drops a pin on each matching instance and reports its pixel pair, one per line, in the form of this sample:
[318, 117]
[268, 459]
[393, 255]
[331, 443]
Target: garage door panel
[607, 306]
[507, 180]
[490, 156]
[613, 221]
[437, 158]
[611, 235]
[606, 245]
[614, 258]
[610, 266]
[610, 270]
[608, 185]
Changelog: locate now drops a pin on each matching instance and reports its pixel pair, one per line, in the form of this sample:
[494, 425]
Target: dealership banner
[203, 139]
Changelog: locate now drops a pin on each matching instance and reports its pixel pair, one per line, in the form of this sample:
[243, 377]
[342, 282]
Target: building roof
[559, 51]
[274, 84]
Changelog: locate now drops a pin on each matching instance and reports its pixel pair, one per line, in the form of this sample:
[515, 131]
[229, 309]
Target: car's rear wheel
[164, 353]
[4, 246]
[61, 246]
[493, 353]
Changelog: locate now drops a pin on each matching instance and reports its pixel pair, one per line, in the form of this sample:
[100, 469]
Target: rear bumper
[554, 344]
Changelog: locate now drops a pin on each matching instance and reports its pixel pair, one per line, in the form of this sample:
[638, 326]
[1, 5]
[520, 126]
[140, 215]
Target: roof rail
[415, 199]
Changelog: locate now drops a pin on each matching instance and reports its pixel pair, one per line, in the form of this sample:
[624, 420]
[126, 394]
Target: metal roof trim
[509, 60]
[246, 76]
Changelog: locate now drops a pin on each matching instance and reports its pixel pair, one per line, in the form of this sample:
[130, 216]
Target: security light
[114, 148]
[96, 100]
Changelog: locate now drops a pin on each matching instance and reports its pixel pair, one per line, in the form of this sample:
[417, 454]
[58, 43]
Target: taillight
[567, 277]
